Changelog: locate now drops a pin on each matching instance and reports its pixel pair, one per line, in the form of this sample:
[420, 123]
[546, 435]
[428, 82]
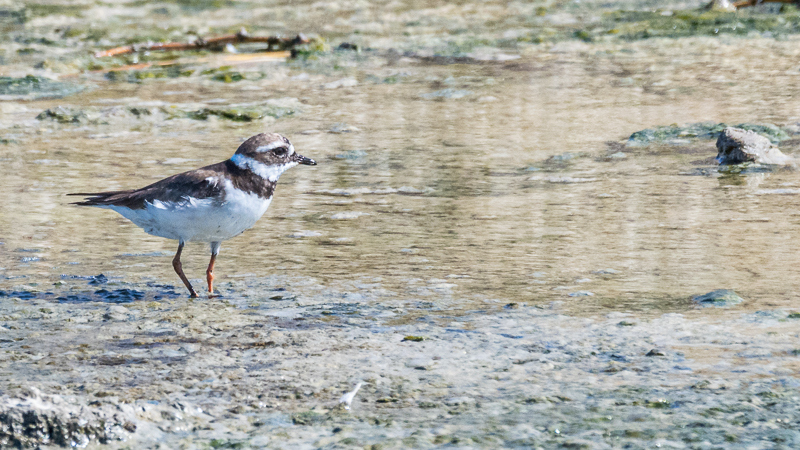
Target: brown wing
[174, 189]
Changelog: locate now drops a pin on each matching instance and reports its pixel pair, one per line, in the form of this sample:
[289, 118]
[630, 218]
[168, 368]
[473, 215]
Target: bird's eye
[281, 151]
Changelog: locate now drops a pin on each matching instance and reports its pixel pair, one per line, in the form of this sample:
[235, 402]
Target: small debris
[413, 339]
[348, 46]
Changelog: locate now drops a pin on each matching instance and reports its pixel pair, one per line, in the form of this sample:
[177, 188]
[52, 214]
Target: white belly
[205, 220]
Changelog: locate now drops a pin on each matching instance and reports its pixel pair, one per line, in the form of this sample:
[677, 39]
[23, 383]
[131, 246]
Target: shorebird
[210, 204]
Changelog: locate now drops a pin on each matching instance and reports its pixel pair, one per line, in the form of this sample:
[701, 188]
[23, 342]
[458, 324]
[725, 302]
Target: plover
[210, 204]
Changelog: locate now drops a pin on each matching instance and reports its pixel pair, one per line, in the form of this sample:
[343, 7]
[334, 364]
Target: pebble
[348, 215]
[344, 82]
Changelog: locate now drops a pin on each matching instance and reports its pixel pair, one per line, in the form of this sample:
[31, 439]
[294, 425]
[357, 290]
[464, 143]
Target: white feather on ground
[348, 397]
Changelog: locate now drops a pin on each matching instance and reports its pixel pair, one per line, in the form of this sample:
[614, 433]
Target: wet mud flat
[516, 214]
[522, 282]
[265, 368]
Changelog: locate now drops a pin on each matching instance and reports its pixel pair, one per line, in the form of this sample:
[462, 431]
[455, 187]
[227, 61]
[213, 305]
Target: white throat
[271, 173]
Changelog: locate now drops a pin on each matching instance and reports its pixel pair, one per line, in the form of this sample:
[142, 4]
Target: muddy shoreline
[254, 370]
[514, 208]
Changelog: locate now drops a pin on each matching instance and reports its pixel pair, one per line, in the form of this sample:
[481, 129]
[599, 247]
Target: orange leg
[176, 264]
[210, 276]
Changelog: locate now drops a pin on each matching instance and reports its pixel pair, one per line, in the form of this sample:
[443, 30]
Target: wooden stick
[241, 37]
[746, 3]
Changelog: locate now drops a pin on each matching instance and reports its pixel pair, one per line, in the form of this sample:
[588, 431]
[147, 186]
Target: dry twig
[274, 43]
[746, 3]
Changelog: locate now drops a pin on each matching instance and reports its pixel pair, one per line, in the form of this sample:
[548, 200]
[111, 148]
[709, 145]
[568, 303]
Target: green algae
[101, 116]
[224, 74]
[702, 130]
[34, 88]
[63, 115]
[62, 9]
[659, 404]
[138, 76]
[226, 443]
[10, 15]
[191, 5]
[639, 25]
[635, 25]
[308, 418]
[719, 297]
[240, 113]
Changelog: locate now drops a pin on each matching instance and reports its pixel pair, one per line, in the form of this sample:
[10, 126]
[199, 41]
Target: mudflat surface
[481, 245]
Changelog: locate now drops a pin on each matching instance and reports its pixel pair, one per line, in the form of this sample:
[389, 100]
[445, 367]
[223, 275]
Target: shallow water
[452, 192]
[483, 198]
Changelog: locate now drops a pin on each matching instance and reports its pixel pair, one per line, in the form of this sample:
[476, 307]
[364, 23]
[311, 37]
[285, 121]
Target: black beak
[303, 160]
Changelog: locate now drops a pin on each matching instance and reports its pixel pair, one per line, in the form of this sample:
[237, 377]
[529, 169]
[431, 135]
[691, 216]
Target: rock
[455, 401]
[581, 294]
[721, 5]
[308, 418]
[419, 363]
[736, 145]
[61, 114]
[116, 312]
[684, 134]
[339, 128]
[409, 190]
[666, 134]
[350, 155]
[348, 215]
[305, 233]
[562, 180]
[446, 93]
[720, 297]
[37, 420]
[344, 82]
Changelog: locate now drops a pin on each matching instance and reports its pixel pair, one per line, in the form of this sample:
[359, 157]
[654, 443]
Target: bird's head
[268, 155]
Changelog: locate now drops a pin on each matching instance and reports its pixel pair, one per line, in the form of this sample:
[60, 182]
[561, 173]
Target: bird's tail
[96, 198]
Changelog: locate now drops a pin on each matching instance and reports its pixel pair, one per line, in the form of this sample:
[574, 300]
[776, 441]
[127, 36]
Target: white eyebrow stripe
[270, 146]
[291, 149]
[271, 173]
